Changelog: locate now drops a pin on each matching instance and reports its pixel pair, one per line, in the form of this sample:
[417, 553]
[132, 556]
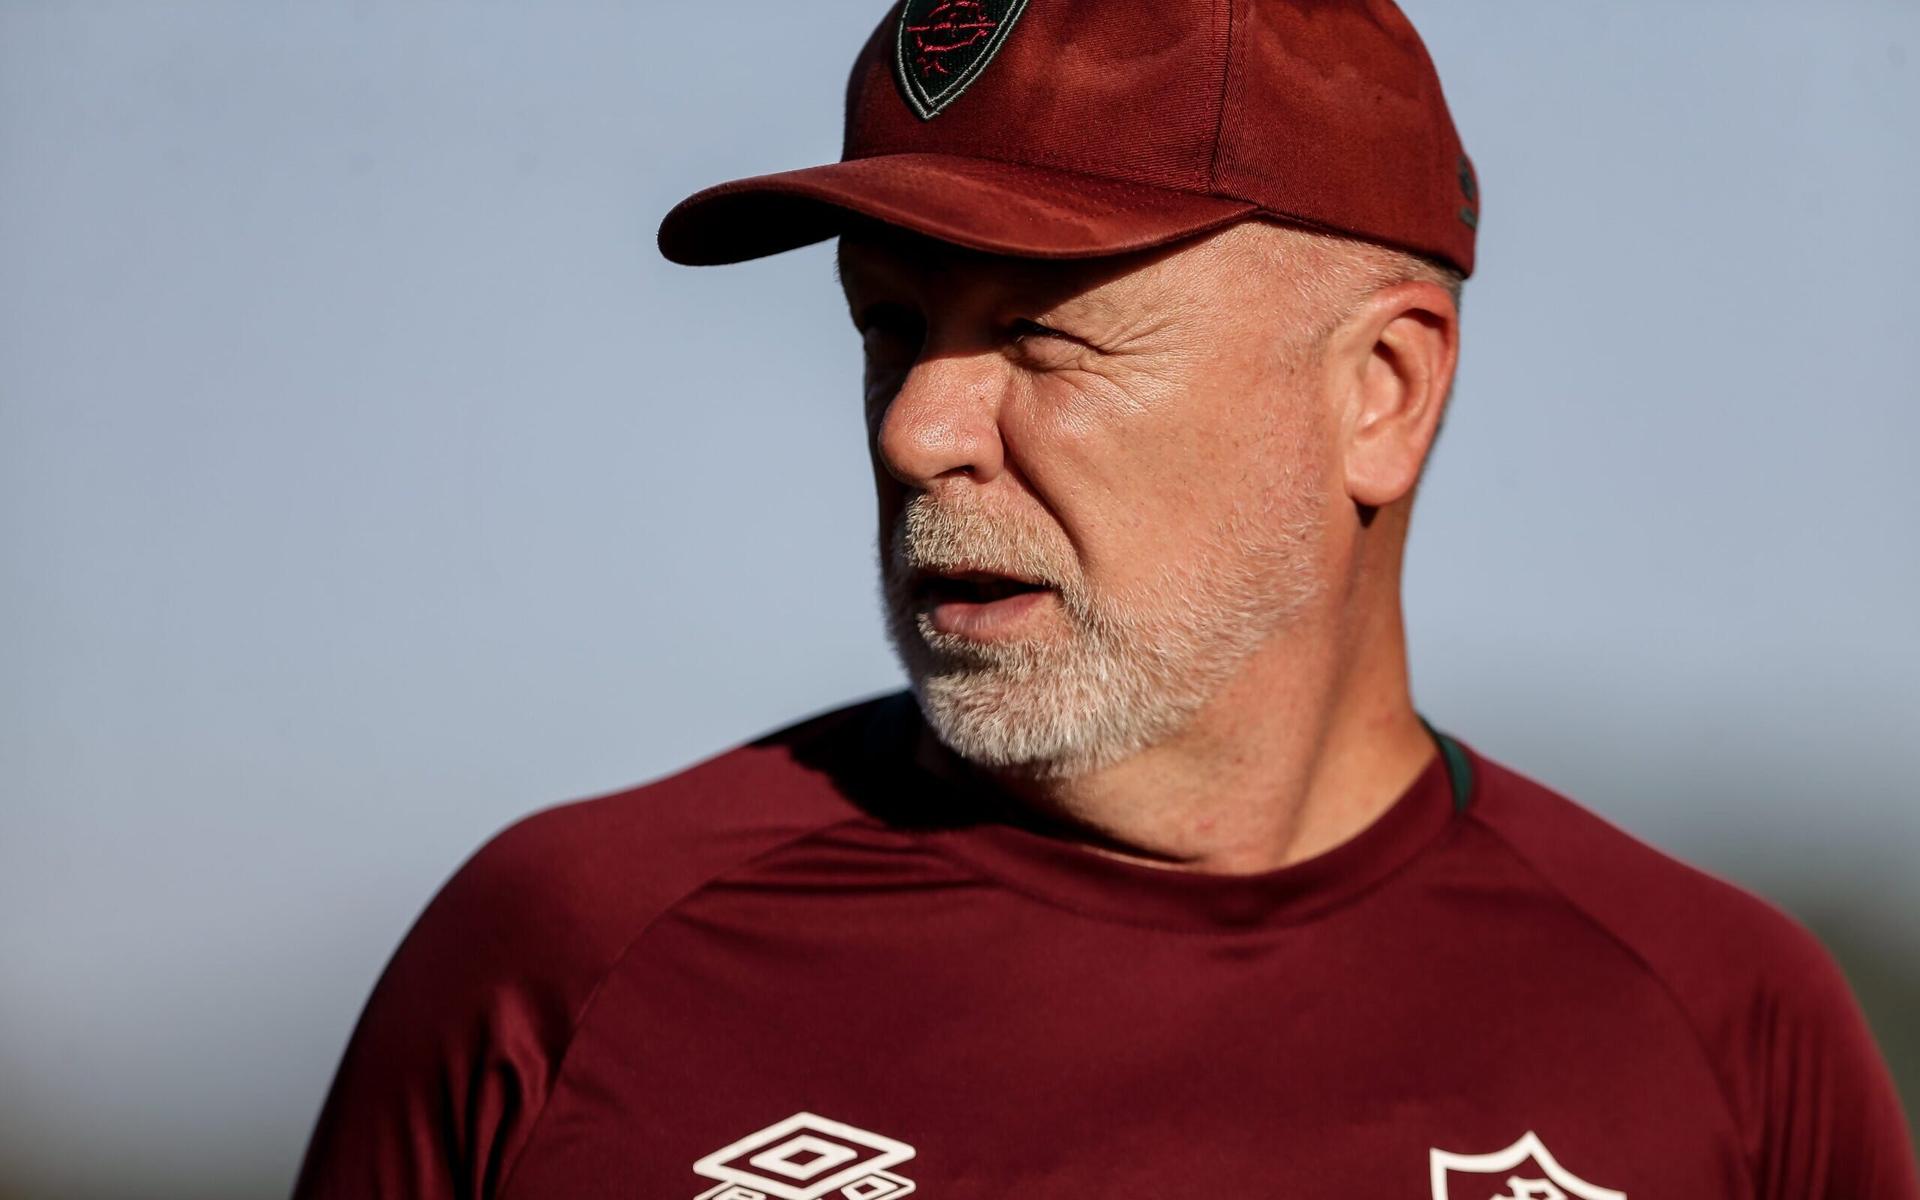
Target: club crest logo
[807, 1158]
[1523, 1171]
[942, 46]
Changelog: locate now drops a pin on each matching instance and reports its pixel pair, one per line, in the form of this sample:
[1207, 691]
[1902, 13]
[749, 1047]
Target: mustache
[930, 537]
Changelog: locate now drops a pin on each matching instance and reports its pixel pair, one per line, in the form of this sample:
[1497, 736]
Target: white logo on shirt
[1558, 1183]
[807, 1158]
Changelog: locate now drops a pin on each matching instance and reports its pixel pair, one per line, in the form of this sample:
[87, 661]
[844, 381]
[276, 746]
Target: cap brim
[982, 204]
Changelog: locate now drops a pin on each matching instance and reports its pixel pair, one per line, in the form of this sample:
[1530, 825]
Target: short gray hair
[1334, 274]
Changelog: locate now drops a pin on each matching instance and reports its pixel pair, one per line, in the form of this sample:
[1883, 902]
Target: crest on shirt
[806, 1157]
[1523, 1171]
[941, 46]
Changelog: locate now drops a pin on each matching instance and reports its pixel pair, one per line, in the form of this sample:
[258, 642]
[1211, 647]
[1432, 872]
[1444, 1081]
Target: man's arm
[1833, 1126]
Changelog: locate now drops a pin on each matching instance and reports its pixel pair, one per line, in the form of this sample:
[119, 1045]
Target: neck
[1306, 746]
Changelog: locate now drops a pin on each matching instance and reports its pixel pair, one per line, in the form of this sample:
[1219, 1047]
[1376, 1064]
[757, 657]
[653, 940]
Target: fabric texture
[1101, 126]
[806, 969]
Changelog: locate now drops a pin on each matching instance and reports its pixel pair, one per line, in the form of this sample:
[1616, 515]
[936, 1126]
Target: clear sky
[366, 480]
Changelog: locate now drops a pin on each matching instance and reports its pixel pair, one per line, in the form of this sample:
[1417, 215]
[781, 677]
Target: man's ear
[1393, 359]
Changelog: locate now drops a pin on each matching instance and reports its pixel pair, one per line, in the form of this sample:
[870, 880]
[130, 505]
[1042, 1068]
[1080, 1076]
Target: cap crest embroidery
[942, 46]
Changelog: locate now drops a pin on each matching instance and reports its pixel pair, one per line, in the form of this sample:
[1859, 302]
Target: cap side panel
[1337, 119]
[1457, 179]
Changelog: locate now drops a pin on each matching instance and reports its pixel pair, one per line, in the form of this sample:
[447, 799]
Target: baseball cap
[1076, 128]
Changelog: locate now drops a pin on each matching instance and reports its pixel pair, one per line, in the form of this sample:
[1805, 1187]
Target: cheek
[1135, 476]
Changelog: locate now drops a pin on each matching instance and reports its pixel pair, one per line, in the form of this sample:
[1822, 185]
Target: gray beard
[1131, 668]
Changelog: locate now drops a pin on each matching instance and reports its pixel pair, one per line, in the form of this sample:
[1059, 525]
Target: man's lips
[979, 605]
[970, 586]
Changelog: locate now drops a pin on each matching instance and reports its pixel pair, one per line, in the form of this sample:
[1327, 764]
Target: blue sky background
[366, 480]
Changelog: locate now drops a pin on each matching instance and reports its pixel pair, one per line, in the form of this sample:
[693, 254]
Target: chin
[1061, 702]
[1040, 726]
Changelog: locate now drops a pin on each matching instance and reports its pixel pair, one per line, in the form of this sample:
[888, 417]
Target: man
[1154, 883]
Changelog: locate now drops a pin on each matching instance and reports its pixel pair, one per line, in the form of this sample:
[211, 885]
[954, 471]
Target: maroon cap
[1072, 128]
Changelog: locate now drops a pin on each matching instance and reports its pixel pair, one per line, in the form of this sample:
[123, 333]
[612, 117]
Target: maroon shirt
[806, 970]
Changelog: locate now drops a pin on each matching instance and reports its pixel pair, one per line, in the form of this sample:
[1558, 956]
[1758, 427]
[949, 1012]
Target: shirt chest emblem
[1523, 1171]
[807, 1157]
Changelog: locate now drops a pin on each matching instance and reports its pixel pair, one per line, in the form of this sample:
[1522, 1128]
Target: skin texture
[1209, 453]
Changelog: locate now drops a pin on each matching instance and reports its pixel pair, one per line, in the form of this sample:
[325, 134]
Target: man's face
[1101, 484]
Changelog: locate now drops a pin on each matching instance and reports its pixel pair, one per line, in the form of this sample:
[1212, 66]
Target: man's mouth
[969, 587]
[978, 605]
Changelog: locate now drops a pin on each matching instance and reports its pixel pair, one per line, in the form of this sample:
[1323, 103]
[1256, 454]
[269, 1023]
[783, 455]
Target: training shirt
[807, 969]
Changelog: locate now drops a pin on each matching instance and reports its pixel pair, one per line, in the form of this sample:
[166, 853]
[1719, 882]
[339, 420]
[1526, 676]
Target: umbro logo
[807, 1157]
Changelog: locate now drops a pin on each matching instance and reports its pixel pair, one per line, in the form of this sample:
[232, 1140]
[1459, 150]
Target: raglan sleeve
[455, 1052]
[1832, 1125]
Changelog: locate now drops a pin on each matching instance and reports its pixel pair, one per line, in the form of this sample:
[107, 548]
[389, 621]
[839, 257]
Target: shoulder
[458, 1046]
[1703, 935]
[1770, 1009]
[573, 882]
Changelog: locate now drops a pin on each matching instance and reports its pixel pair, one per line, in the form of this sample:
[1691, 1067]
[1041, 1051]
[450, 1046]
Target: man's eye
[1023, 328]
[1043, 345]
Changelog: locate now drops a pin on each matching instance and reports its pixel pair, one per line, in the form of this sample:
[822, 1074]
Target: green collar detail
[1459, 768]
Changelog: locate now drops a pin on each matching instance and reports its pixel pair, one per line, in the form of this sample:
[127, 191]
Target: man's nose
[944, 420]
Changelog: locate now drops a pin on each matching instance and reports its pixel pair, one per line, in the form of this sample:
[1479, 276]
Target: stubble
[1126, 668]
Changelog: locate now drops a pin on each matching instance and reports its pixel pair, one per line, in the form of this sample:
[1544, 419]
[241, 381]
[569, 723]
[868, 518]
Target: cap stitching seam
[1220, 114]
[985, 150]
[1088, 180]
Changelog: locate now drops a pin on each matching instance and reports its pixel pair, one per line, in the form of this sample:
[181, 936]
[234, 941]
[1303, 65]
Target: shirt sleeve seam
[613, 965]
[1747, 1165]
